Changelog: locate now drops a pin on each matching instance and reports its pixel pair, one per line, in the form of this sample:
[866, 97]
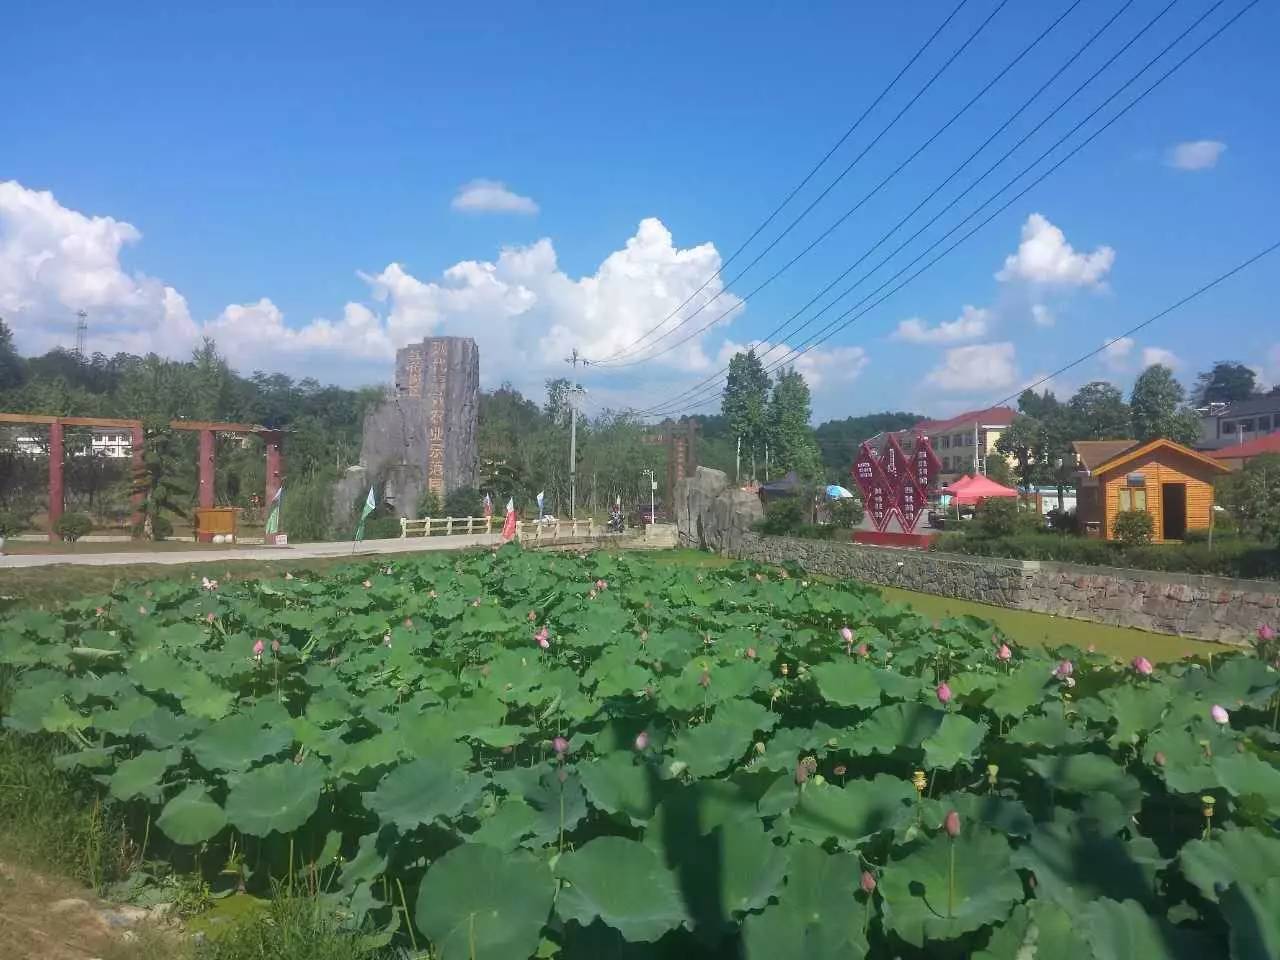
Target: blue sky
[287, 180]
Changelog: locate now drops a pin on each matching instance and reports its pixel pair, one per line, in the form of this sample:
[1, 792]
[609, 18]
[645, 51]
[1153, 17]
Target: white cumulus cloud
[970, 325]
[821, 368]
[1045, 257]
[525, 312]
[1194, 155]
[978, 367]
[1153, 355]
[491, 196]
[55, 261]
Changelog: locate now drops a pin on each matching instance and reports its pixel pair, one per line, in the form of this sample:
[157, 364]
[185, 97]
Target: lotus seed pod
[918, 781]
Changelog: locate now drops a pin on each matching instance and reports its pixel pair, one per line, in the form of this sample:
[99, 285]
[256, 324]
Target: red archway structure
[205, 464]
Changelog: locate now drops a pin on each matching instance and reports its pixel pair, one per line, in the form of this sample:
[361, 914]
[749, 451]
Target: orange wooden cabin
[1171, 482]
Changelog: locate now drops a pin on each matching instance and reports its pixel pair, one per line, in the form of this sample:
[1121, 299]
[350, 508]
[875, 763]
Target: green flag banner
[370, 504]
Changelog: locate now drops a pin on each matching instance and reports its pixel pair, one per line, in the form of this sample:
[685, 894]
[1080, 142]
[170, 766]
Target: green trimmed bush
[1134, 527]
[72, 526]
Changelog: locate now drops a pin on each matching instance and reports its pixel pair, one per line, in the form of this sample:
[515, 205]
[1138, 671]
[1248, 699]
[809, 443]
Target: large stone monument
[423, 436]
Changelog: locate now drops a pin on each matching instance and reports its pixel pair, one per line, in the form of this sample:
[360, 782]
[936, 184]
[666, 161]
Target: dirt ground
[46, 919]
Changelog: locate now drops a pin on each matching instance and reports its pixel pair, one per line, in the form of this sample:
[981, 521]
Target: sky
[316, 186]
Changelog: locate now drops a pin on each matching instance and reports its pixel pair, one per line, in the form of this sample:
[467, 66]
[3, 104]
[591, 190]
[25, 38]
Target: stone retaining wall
[1209, 608]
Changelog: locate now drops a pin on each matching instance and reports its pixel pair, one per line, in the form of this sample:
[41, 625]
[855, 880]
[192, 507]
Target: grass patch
[290, 928]
[50, 820]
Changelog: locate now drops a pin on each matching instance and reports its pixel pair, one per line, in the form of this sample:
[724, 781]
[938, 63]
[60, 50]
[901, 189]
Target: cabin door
[1173, 499]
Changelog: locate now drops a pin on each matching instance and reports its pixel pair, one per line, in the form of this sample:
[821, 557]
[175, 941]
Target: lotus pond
[498, 755]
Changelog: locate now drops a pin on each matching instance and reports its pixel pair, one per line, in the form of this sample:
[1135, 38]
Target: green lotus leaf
[126, 711]
[899, 725]
[1037, 929]
[920, 904]
[201, 697]
[1245, 775]
[622, 883]
[616, 674]
[956, 741]
[163, 728]
[815, 917]
[999, 813]
[708, 748]
[276, 796]
[143, 775]
[1186, 766]
[1246, 857]
[419, 791]
[478, 903]
[555, 802]
[620, 783]
[1124, 931]
[380, 750]
[368, 864]
[191, 817]
[784, 748]
[701, 806]
[1234, 681]
[91, 758]
[509, 825]
[1135, 710]
[1074, 863]
[848, 683]
[1254, 916]
[852, 813]
[237, 742]
[1021, 690]
[1089, 773]
[727, 871]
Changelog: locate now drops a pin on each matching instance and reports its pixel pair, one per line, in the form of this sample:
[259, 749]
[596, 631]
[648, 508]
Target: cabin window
[1225, 427]
[1133, 498]
[1264, 424]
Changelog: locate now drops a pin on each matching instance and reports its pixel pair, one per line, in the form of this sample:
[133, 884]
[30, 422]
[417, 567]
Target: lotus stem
[951, 880]
[471, 936]
[1275, 715]
[562, 818]
[413, 939]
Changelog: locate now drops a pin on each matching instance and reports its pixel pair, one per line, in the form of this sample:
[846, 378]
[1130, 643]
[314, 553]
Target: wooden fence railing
[550, 531]
[448, 526]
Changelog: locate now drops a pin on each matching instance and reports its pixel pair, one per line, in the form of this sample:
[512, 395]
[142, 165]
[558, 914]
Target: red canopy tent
[968, 491]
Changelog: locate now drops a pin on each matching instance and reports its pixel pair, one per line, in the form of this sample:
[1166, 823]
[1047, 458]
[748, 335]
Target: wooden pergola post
[55, 477]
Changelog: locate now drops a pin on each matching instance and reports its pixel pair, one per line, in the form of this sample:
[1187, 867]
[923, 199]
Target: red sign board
[893, 483]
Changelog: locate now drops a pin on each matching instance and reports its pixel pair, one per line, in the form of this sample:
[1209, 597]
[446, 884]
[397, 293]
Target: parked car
[643, 517]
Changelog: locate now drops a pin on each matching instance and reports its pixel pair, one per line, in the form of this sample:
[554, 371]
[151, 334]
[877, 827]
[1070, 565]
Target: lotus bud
[759, 748]
[704, 681]
[209, 618]
[561, 746]
[142, 610]
[952, 824]
[944, 693]
[993, 771]
[918, 781]
[1266, 633]
[1142, 665]
[258, 647]
[1219, 714]
[275, 646]
[751, 653]
[544, 643]
[99, 611]
[1004, 653]
[288, 576]
[868, 882]
[1064, 669]
[532, 616]
[408, 623]
[846, 634]
[1159, 758]
[864, 650]
[802, 774]
[368, 584]
[642, 740]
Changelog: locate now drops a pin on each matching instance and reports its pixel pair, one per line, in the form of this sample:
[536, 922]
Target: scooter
[615, 523]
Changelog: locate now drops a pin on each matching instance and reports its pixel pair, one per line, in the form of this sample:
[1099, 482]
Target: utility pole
[82, 331]
[574, 390]
[653, 486]
[737, 464]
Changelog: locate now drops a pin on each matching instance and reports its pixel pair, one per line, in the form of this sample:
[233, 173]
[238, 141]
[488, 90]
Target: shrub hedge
[1230, 557]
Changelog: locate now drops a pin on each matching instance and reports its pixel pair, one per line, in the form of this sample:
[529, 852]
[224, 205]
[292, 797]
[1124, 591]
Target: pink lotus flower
[864, 650]
[432, 594]
[408, 623]
[846, 635]
[258, 647]
[1143, 666]
[868, 882]
[99, 611]
[1064, 669]
[1266, 633]
[642, 741]
[142, 610]
[952, 824]
[532, 616]
[602, 584]
[1219, 714]
[1159, 758]
[543, 637]
[944, 693]
[751, 653]
[1004, 653]
[208, 584]
[209, 618]
[288, 576]
[561, 746]
[802, 773]
[275, 646]
[704, 681]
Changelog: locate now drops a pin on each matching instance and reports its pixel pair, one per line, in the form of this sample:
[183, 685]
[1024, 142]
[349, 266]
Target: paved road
[301, 551]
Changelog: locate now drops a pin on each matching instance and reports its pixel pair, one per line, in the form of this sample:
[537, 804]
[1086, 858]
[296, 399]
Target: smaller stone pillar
[55, 477]
[205, 465]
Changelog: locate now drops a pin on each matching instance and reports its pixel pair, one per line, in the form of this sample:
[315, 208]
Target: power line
[1199, 291]
[867, 196]
[780, 329]
[615, 358]
[938, 216]
[845, 320]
